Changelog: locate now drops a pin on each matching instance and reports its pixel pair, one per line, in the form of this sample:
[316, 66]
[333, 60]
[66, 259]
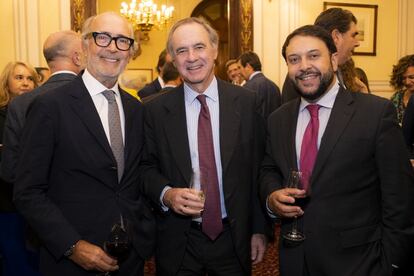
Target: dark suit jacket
[359, 219]
[268, 94]
[408, 125]
[150, 89]
[6, 189]
[168, 162]
[67, 185]
[16, 118]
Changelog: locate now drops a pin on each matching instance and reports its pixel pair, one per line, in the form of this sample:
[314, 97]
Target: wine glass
[197, 180]
[118, 244]
[294, 236]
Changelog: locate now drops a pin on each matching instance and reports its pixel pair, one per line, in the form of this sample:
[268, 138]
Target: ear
[334, 61]
[336, 36]
[76, 59]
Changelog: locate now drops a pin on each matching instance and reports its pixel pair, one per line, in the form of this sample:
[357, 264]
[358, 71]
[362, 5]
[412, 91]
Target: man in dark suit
[341, 24]
[156, 85]
[78, 172]
[208, 127]
[268, 94]
[355, 205]
[62, 51]
[63, 54]
[171, 78]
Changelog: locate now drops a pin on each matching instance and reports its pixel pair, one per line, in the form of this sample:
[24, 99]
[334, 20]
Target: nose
[25, 82]
[304, 64]
[112, 46]
[357, 42]
[192, 55]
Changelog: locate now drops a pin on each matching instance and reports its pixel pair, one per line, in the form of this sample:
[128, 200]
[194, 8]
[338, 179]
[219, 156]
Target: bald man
[78, 171]
[63, 53]
[64, 56]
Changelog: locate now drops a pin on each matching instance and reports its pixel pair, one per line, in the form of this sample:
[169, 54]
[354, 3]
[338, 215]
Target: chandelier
[145, 15]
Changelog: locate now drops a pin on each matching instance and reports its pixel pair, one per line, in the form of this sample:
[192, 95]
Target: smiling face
[107, 63]
[20, 81]
[310, 65]
[194, 55]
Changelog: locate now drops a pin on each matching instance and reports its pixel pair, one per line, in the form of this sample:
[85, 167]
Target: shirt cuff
[163, 206]
[270, 212]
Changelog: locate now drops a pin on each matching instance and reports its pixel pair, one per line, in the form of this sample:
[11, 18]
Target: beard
[324, 83]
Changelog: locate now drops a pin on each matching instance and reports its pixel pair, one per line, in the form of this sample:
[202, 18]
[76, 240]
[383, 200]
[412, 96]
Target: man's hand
[258, 244]
[92, 257]
[280, 202]
[184, 201]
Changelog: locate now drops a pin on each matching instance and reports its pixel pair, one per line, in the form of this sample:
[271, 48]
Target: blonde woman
[16, 78]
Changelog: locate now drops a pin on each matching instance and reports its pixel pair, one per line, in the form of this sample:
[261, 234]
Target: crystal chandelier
[145, 15]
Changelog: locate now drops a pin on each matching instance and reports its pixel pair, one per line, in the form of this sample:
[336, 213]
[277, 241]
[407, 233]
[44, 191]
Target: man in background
[156, 85]
[171, 78]
[64, 56]
[341, 25]
[233, 72]
[267, 92]
[77, 178]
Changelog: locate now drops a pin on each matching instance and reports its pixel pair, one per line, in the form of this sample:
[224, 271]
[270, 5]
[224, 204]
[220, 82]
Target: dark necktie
[309, 149]
[212, 225]
[115, 131]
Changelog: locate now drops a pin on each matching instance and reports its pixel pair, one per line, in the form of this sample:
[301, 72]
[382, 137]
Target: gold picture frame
[367, 16]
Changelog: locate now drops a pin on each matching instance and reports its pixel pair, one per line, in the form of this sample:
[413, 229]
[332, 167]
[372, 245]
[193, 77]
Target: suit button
[114, 168]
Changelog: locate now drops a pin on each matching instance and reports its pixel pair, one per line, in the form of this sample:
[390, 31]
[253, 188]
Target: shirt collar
[211, 92]
[161, 81]
[94, 86]
[63, 72]
[254, 74]
[327, 100]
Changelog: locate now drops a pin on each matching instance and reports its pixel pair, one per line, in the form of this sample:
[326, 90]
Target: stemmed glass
[197, 180]
[118, 244]
[294, 236]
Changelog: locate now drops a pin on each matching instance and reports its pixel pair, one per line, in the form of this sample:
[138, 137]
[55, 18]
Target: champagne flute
[197, 180]
[294, 236]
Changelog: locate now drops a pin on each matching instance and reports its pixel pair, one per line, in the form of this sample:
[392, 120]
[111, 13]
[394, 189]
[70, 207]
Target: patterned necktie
[212, 225]
[115, 131]
[309, 149]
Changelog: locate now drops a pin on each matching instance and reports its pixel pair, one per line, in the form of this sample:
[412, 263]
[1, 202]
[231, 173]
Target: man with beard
[353, 210]
[341, 25]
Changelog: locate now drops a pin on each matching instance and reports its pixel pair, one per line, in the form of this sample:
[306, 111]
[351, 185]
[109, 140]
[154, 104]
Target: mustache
[304, 74]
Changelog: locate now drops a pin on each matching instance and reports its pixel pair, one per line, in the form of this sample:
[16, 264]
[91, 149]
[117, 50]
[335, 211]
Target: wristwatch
[69, 252]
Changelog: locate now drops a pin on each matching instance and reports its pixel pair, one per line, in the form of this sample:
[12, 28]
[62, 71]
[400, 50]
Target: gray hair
[214, 38]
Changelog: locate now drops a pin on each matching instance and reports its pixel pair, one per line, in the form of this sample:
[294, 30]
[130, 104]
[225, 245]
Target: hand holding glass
[294, 236]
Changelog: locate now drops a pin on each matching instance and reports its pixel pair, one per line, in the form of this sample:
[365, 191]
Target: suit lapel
[341, 114]
[128, 105]
[84, 107]
[289, 125]
[229, 122]
[176, 127]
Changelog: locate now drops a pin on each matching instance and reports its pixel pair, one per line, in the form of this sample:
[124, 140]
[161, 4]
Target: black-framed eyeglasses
[122, 43]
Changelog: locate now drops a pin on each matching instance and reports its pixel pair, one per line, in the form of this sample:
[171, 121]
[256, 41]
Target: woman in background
[17, 78]
[402, 79]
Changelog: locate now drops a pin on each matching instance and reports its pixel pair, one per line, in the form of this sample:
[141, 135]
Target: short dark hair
[314, 31]
[162, 59]
[251, 58]
[335, 18]
[169, 72]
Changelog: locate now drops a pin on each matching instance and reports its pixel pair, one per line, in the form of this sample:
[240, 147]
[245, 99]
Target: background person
[17, 78]
[402, 80]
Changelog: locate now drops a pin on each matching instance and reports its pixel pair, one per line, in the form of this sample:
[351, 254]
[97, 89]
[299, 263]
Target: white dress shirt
[95, 89]
[192, 111]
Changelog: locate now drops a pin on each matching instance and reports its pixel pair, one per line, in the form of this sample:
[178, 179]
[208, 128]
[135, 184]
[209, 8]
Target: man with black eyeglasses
[78, 174]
